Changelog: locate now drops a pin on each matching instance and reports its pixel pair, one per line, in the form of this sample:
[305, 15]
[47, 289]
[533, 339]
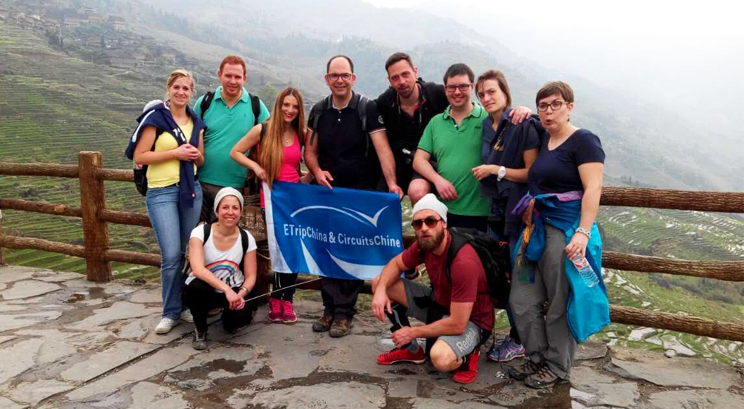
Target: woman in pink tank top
[278, 143]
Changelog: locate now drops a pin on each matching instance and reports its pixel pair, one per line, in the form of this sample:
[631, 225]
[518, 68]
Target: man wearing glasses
[454, 140]
[343, 151]
[458, 310]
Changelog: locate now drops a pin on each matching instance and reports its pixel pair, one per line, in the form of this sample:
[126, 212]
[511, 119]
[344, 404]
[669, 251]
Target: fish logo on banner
[339, 233]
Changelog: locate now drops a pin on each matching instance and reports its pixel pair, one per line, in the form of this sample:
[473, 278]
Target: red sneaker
[288, 314]
[401, 355]
[469, 369]
[275, 310]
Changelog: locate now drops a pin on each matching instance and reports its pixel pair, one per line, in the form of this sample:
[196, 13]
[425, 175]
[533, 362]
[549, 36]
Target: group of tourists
[533, 182]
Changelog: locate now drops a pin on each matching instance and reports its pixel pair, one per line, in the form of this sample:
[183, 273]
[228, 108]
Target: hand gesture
[397, 190]
[403, 337]
[259, 171]
[380, 304]
[483, 171]
[445, 189]
[187, 153]
[520, 114]
[577, 245]
[235, 301]
[324, 179]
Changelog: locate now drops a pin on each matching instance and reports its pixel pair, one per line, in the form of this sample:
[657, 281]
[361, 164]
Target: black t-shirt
[557, 171]
[404, 131]
[344, 149]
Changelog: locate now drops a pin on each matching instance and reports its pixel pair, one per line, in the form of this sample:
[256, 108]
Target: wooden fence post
[2, 257]
[95, 231]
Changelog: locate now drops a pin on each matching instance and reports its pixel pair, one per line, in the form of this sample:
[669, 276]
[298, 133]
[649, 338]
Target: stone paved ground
[69, 343]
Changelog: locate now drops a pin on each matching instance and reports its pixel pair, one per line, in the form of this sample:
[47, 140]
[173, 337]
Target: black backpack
[207, 231]
[361, 110]
[493, 254]
[206, 102]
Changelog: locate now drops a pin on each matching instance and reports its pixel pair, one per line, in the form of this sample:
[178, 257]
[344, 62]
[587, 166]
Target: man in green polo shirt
[454, 140]
[228, 118]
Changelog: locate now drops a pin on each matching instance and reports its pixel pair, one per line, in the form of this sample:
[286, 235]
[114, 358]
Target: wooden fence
[98, 255]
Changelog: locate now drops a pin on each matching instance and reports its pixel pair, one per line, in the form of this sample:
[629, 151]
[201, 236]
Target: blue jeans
[172, 224]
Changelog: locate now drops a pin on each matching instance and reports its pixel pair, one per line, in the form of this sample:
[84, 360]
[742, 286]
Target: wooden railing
[98, 255]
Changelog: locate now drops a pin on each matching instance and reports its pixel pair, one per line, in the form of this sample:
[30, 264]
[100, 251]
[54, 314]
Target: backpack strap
[459, 239]
[318, 109]
[362, 111]
[256, 107]
[205, 103]
[207, 231]
[243, 247]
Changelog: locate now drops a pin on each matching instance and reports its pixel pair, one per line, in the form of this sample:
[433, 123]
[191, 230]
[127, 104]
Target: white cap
[430, 202]
[227, 191]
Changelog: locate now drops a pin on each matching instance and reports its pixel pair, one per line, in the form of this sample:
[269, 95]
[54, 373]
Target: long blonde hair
[271, 148]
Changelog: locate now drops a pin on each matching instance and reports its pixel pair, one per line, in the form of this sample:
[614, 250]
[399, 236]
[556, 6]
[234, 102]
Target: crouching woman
[223, 268]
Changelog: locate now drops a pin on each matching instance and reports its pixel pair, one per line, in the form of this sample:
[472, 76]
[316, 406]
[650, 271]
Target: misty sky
[680, 55]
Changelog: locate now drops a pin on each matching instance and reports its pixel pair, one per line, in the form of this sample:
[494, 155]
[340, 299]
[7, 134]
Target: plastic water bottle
[585, 270]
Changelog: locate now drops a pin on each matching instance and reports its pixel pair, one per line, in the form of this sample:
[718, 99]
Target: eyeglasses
[555, 105]
[430, 221]
[461, 87]
[335, 77]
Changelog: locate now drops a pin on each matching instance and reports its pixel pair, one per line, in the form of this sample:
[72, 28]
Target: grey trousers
[546, 339]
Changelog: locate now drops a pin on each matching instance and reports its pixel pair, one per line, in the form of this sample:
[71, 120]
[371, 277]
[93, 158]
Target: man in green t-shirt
[228, 118]
[454, 140]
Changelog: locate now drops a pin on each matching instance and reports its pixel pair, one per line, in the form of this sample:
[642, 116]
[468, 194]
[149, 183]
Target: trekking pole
[283, 288]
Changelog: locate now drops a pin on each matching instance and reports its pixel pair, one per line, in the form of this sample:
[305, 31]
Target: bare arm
[387, 160]
[245, 144]
[249, 271]
[513, 174]
[389, 276]
[311, 160]
[591, 178]
[143, 154]
[454, 324]
[200, 160]
[423, 167]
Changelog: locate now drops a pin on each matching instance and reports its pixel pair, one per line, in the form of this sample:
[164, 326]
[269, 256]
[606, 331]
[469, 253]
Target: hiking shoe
[200, 341]
[166, 325]
[401, 355]
[288, 314]
[469, 368]
[509, 350]
[543, 378]
[341, 327]
[323, 323]
[275, 310]
[522, 371]
[412, 274]
[187, 317]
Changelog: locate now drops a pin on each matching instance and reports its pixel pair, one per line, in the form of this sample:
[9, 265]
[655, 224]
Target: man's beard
[431, 244]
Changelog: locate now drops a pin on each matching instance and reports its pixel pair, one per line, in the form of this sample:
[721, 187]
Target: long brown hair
[271, 148]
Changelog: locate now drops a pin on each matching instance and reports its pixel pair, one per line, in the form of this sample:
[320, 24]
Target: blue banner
[339, 233]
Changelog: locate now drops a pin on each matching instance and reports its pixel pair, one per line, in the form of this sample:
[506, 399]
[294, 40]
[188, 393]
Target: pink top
[290, 163]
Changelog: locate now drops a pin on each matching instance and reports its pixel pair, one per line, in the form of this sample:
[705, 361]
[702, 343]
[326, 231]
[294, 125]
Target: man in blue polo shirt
[342, 151]
[229, 117]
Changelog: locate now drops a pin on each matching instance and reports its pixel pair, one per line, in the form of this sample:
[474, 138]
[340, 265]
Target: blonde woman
[169, 140]
[279, 145]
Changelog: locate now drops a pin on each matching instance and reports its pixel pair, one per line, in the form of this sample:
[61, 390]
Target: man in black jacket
[406, 108]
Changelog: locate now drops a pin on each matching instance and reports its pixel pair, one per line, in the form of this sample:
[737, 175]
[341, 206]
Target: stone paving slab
[86, 346]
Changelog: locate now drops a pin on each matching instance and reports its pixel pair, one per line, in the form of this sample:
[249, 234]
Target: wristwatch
[501, 174]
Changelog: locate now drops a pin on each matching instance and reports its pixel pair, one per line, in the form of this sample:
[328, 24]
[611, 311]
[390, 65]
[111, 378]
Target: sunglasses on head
[430, 221]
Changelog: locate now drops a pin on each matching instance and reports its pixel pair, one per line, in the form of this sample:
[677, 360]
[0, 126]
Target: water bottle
[585, 270]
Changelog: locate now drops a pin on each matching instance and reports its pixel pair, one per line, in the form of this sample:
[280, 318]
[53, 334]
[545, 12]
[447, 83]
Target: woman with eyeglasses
[170, 141]
[508, 152]
[560, 237]
[279, 143]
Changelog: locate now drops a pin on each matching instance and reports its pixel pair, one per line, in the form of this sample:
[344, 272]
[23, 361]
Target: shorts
[418, 299]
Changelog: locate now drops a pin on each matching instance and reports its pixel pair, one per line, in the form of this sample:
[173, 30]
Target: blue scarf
[158, 114]
[588, 309]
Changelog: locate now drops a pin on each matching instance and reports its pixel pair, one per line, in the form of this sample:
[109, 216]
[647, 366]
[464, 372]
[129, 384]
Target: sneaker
[166, 325]
[187, 317]
[522, 371]
[401, 355]
[288, 314]
[214, 311]
[323, 323]
[469, 369]
[275, 310]
[509, 350]
[200, 341]
[341, 327]
[543, 378]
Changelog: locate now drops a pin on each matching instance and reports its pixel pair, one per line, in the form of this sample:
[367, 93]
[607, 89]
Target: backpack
[206, 102]
[207, 231]
[140, 171]
[493, 254]
[361, 110]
